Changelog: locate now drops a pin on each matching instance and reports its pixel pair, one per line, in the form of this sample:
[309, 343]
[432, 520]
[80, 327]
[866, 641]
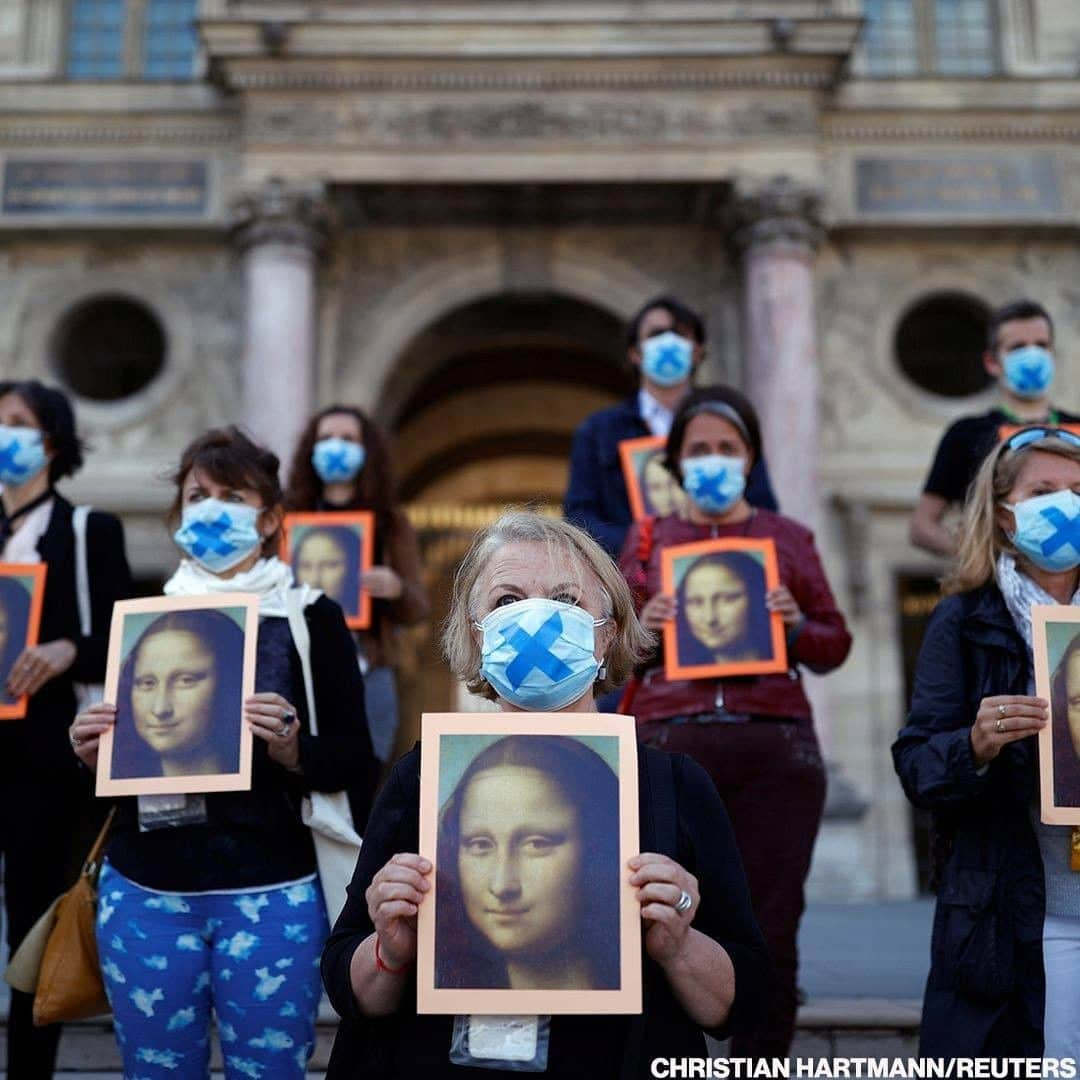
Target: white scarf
[1020, 592]
[270, 579]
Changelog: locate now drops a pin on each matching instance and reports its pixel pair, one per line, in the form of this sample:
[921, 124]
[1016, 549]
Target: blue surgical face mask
[714, 481]
[1028, 371]
[22, 454]
[218, 534]
[1048, 530]
[538, 654]
[667, 359]
[337, 461]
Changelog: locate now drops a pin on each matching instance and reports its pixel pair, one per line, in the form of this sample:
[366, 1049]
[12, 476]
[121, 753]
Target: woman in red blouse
[753, 734]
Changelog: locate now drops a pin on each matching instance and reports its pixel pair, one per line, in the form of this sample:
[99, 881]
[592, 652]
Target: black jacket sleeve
[932, 754]
[393, 828]
[341, 758]
[708, 849]
[109, 580]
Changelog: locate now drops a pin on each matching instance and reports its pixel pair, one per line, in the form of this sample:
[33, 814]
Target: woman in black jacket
[1006, 892]
[223, 908]
[43, 794]
[705, 966]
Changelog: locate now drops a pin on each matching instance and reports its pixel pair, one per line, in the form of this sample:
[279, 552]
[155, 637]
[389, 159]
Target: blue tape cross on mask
[1067, 531]
[208, 537]
[534, 651]
[1029, 378]
[711, 487]
[669, 360]
[336, 462]
[8, 464]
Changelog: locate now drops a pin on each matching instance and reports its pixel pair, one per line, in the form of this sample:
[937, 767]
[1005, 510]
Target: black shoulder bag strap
[660, 781]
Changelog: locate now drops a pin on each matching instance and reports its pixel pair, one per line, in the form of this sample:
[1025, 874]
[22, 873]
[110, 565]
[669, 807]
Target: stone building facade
[444, 211]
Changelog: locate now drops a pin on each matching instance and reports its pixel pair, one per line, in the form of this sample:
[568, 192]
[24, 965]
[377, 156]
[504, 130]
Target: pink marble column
[281, 232]
[776, 232]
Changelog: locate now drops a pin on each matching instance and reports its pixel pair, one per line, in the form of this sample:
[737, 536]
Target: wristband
[386, 967]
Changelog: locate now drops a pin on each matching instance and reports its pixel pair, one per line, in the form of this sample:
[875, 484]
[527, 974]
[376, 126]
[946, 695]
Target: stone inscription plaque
[972, 186]
[84, 188]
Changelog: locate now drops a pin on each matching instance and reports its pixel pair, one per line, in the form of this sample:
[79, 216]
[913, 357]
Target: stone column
[280, 232]
[775, 231]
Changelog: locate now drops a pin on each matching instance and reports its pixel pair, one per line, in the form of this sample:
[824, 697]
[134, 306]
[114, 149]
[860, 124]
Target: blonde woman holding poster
[211, 902]
[1005, 953]
[705, 963]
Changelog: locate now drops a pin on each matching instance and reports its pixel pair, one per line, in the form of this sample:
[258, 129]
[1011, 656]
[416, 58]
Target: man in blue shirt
[666, 343]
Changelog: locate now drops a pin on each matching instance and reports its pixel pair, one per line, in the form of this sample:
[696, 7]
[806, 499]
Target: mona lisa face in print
[173, 693]
[519, 861]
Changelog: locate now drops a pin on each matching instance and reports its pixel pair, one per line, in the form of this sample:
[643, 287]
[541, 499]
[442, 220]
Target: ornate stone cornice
[286, 78]
[278, 213]
[952, 132]
[780, 211]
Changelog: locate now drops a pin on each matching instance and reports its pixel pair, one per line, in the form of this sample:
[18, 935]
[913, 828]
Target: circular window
[109, 348]
[940, 344]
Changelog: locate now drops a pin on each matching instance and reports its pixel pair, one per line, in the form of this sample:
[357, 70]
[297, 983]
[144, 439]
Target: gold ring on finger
[999, 727]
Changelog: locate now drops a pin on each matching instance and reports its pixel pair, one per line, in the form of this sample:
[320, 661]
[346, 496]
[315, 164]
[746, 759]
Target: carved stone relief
[354, 122]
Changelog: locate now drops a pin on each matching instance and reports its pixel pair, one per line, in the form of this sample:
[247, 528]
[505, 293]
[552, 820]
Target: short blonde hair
[982, 539]
[631, 641]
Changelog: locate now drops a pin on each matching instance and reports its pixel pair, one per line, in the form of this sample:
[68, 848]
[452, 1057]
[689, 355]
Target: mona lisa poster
[178, 671]
[1055, 639]
[22, 589]
[331, 551]
[530, 820]
[722, 625]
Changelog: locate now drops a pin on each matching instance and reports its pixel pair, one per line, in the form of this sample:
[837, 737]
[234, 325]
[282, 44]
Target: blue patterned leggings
[253, 957]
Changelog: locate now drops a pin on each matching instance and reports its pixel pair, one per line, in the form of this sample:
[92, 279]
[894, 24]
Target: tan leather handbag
[69, 985]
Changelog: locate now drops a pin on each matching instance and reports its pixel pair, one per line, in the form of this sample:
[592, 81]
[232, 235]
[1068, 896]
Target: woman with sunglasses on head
[342, 462]
[1005, 952]
[46, 816]
[212, 902]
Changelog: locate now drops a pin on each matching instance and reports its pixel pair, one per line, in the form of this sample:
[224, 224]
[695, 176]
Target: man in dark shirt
[1019, 355]
[666, 343]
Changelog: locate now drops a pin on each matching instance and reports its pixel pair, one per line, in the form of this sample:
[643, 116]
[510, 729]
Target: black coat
[38, 745]
[986, 989]
[404, 1045]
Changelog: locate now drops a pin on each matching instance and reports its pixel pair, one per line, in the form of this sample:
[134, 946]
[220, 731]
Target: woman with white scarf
[221, 909]
[1005, 952]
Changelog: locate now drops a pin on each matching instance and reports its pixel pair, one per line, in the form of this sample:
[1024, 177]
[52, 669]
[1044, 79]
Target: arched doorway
[492, 393]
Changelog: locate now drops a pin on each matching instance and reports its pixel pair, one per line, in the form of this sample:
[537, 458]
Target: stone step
[827, 1028]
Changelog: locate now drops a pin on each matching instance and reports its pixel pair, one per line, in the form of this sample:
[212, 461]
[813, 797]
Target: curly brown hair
[375, 486]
